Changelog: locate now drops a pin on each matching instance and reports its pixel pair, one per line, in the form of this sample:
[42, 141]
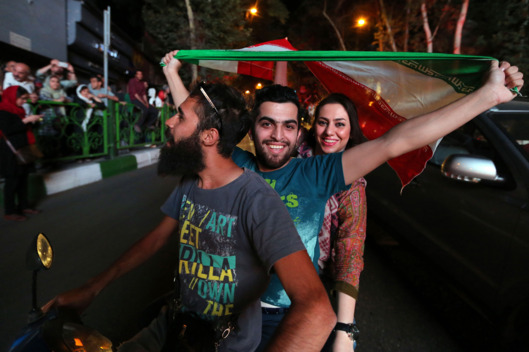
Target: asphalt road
[91, 226]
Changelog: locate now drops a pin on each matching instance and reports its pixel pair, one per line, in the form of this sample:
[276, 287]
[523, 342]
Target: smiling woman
[342, 236]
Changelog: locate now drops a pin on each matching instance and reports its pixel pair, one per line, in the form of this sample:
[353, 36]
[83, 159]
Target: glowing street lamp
[251, 12]
[361, 22]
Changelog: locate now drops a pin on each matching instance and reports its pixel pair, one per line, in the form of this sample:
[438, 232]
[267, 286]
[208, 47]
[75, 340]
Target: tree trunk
[459, 27]
[192, 35]
[426, 27]
[388, 25]
[338, 35]
[407, 26]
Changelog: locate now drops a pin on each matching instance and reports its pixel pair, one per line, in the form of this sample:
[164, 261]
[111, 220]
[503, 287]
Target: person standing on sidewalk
[15, 134]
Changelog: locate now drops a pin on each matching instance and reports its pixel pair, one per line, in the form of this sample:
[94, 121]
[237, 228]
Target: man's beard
[270, 161]
[182, 158]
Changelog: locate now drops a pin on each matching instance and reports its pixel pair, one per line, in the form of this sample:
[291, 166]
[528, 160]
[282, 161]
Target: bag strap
[9, 144]
[17, 154]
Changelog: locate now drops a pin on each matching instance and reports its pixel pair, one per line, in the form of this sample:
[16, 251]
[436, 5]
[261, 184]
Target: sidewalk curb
[64, 180]
[42, 185]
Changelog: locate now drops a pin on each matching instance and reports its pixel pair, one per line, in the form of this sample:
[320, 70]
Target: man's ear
[210, 136]
[299, 131]
[250, 134]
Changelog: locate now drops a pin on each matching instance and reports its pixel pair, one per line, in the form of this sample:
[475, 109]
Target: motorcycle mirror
[40, 254]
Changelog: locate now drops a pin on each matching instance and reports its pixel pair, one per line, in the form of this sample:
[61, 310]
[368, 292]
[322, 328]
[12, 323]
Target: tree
[424, 25]
[333, 25]
[502, 30]
[459, 27]
[385, 20]
[330, 25]
[197, 24]
[192, 35]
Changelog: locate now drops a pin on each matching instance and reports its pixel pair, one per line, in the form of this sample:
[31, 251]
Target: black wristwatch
[351, 330]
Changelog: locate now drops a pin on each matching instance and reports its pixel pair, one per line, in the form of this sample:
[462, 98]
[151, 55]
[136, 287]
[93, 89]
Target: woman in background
[15, 129]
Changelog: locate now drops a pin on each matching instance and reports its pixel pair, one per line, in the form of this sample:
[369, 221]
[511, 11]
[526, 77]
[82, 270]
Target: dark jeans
[16, 187]
[149, 114]
[270, 323]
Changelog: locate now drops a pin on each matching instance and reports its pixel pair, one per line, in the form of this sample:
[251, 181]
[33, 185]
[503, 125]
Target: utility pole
[110, 104]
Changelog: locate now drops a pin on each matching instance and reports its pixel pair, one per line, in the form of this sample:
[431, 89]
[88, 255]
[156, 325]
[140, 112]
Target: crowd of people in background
[35, 102]
[58, 82]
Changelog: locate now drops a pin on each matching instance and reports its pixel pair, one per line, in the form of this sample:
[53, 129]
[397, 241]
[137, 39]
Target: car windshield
[516, 124]
[469, 139]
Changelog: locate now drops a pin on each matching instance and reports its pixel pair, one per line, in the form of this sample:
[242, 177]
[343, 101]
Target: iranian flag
[386, 87]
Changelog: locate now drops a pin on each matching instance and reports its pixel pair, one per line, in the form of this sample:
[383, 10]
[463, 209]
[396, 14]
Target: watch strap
[351, 330]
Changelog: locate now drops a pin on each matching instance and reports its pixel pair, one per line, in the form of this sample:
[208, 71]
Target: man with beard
[305, 185]
[233, 230]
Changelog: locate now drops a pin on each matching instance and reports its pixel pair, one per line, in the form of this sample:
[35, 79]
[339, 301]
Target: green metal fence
[69, 132]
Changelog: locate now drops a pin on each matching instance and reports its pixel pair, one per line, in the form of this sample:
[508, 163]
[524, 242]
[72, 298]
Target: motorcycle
[58, 330]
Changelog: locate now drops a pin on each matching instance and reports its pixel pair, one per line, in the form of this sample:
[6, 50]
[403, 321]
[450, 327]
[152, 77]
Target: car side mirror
[470, 168]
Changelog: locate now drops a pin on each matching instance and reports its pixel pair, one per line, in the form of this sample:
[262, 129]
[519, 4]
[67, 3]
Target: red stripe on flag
[263, 69]
[259, 69]
[375, 117]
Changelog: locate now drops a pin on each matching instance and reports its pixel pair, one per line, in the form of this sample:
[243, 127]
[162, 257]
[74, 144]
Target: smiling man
[305, 185]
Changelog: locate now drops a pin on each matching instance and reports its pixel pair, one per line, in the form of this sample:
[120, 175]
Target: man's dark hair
[276, 93]
[96, 77]
[231, 118]
[56, 76]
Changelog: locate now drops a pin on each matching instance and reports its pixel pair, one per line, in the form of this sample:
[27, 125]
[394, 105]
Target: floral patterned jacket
[342, 235]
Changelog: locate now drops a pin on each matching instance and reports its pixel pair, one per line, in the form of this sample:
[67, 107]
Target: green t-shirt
[304, 185]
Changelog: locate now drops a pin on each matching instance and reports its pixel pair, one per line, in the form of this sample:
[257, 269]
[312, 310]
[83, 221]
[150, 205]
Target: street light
[361, 22]
[251, 12]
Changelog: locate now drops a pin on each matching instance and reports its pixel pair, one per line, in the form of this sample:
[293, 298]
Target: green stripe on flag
[462, 72]
[240, 55]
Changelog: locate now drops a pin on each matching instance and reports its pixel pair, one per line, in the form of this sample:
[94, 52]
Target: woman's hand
[501, 78]
[32, 118]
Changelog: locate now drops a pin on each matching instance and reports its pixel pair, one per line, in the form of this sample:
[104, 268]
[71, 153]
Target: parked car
[468, 212]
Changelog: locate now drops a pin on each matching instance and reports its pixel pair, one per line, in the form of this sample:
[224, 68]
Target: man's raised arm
[422, 130]
[310, 319]
[172, 65]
